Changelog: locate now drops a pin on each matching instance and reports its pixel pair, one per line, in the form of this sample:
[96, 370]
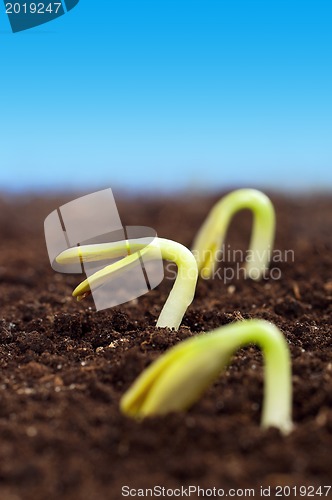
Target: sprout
[183, 289]
[211, 236]
[178, 378]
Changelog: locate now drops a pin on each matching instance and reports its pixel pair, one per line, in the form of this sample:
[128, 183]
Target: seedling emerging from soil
[211, 236]
[178, 378]
[183, 289]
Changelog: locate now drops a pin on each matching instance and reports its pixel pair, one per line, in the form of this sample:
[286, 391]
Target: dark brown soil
[64, 366]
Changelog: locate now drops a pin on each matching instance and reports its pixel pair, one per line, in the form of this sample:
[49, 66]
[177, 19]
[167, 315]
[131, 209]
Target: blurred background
[183, 95]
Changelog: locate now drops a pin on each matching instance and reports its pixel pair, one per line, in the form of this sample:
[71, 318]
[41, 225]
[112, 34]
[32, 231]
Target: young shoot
[211, 236]
[183, 290]
[178, 378]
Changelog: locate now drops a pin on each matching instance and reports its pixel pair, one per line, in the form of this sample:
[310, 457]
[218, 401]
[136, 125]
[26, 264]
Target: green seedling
[211, 236]
[183, 289]
[207, 243]
[178, 378]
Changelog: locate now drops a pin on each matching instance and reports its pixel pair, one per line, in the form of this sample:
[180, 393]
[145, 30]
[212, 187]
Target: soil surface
[64, 366]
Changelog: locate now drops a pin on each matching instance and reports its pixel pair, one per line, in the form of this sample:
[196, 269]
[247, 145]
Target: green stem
[277, 377]
[183, 289]
[211, 236]
[179, 377]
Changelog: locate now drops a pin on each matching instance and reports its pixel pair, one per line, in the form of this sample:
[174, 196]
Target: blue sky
[159, 95]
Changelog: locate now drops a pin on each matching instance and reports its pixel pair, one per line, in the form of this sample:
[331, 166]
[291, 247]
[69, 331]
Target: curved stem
[183, 289]
[179, 377]
[211, 236]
